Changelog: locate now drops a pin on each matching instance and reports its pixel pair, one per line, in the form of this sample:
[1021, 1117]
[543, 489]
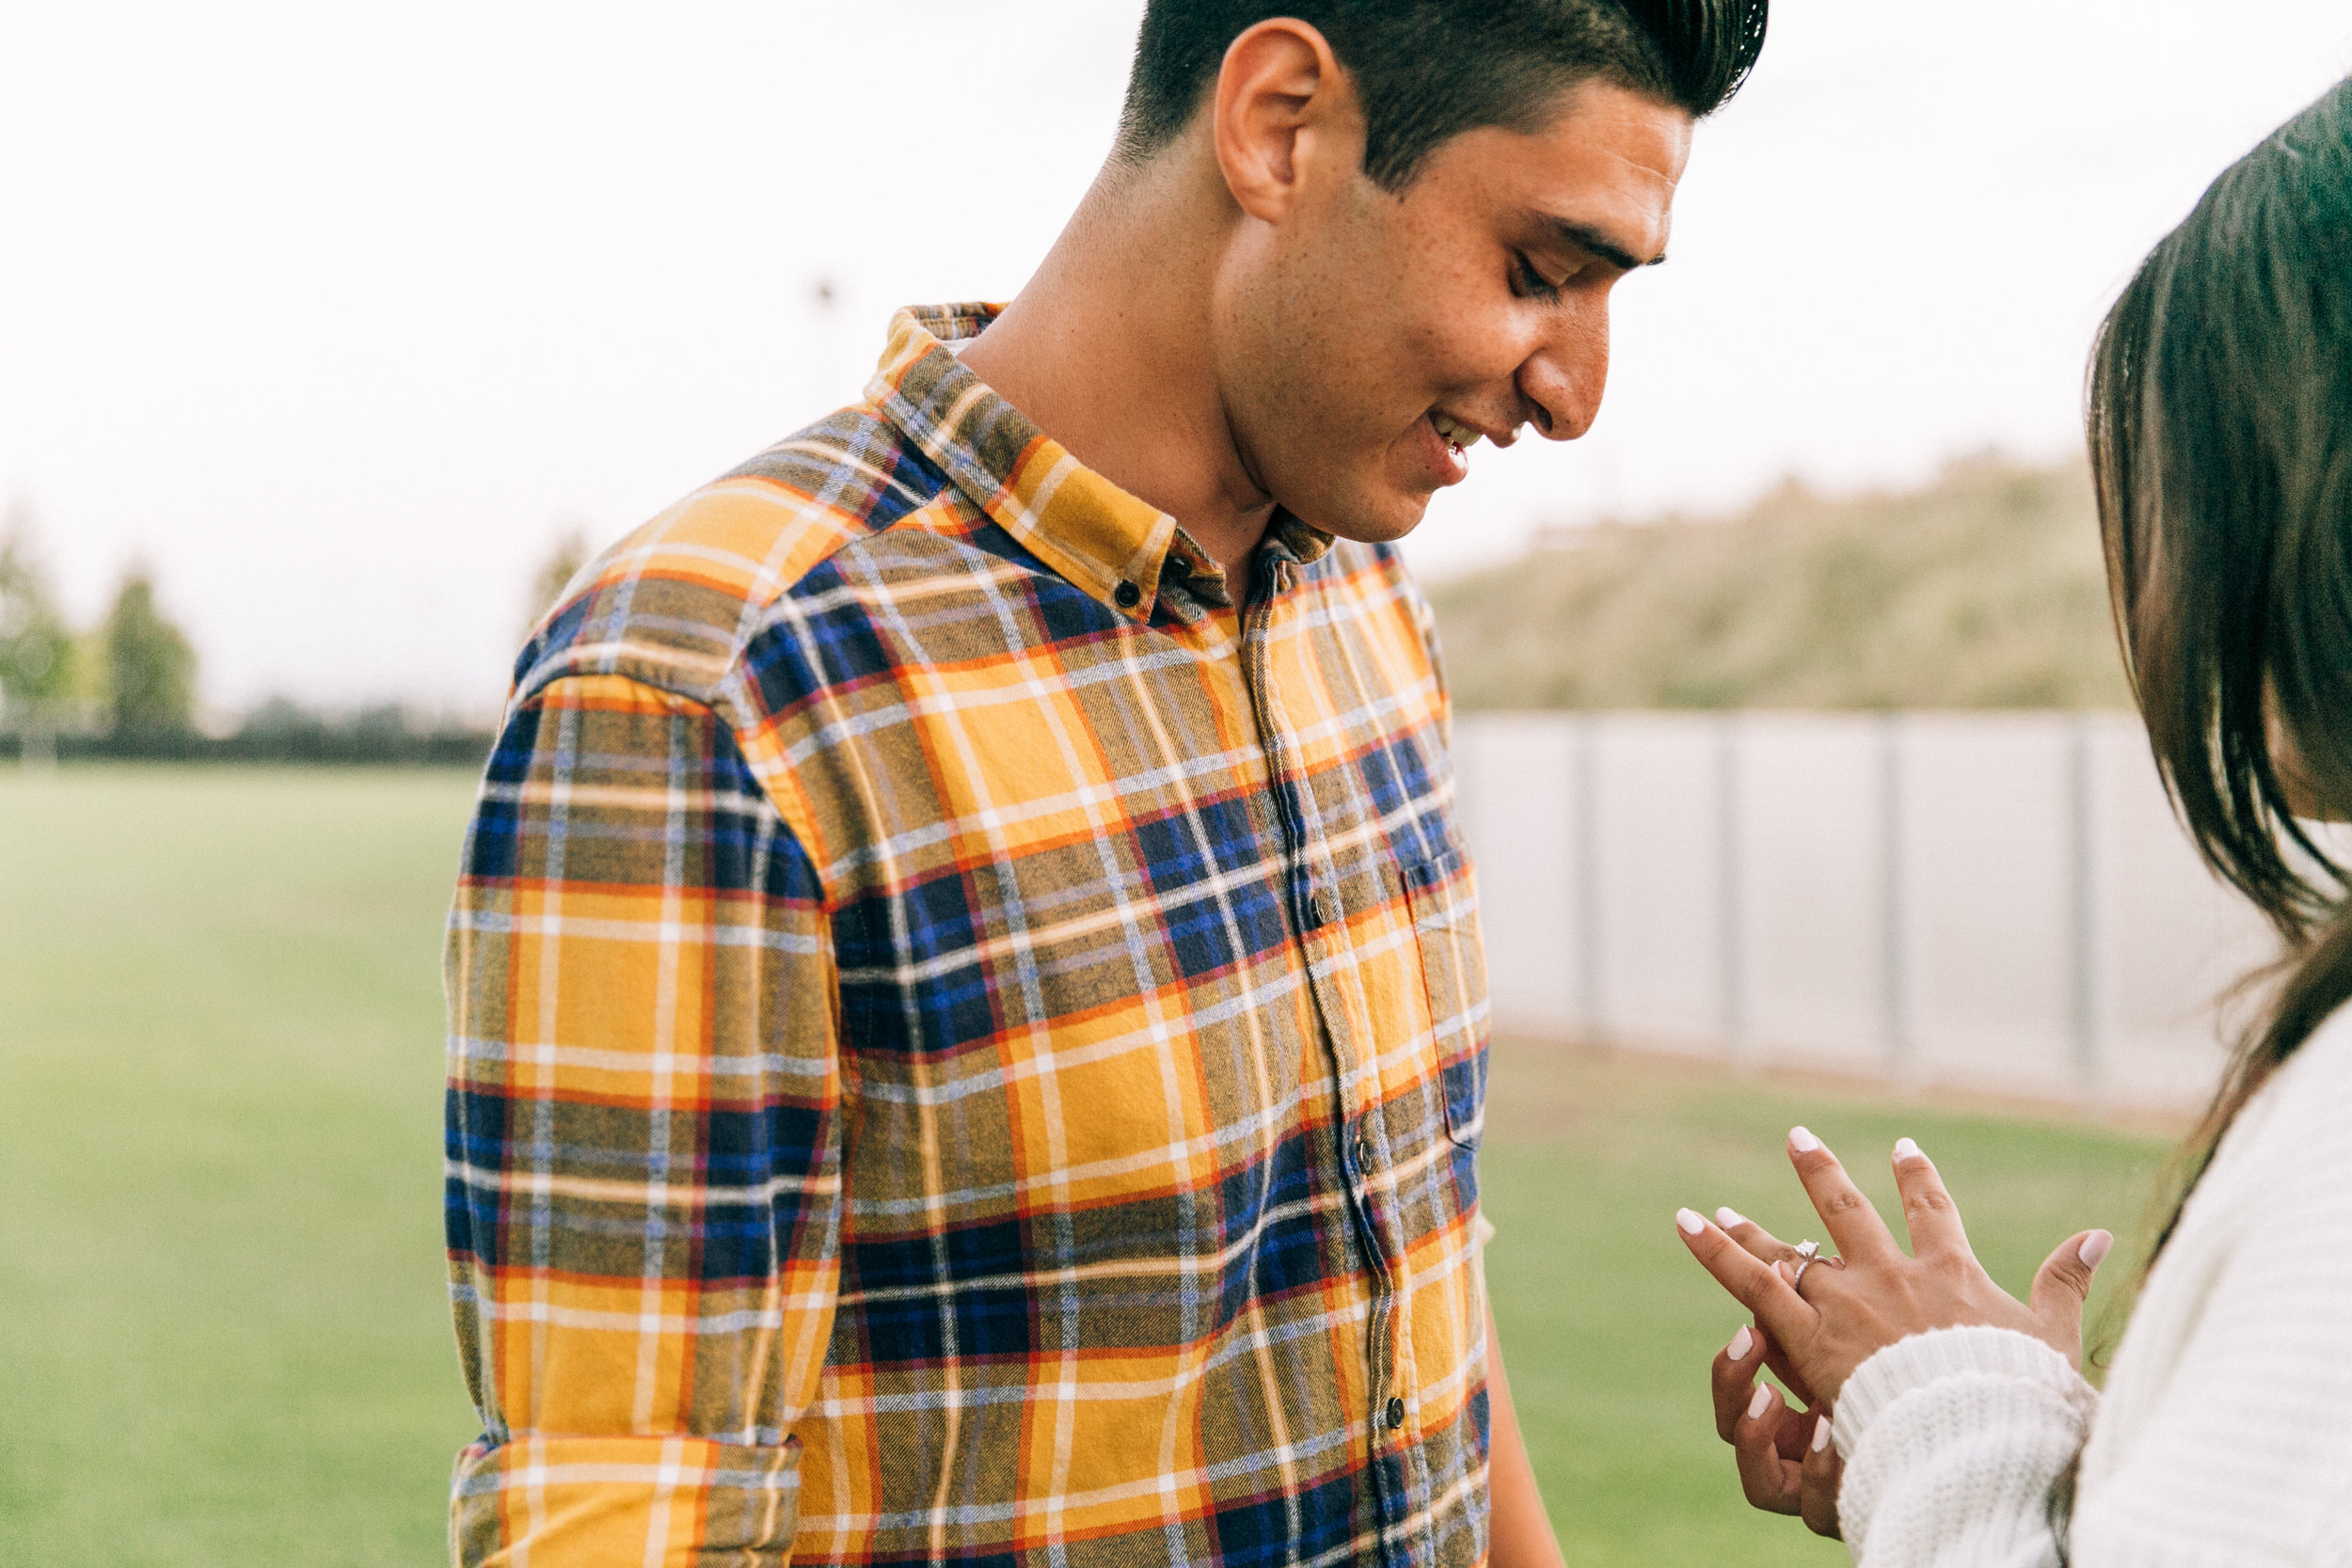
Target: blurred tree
[86, 666]
[280, 717]
[35, 646]
[151, 666]
[384, 722]
[564, 559]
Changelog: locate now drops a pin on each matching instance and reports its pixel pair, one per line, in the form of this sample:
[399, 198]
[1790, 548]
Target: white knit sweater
[2224, 1437]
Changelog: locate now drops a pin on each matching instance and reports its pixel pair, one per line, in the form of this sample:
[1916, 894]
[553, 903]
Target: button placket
[1317, 911]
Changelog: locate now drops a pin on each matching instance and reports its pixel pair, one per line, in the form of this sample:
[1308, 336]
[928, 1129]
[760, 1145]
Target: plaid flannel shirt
[968, 1037]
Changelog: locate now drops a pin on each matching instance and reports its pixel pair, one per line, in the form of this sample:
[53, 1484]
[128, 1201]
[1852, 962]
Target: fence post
[1586, 774]
[1894, 977]
[1730, 889]
[2090, 1076]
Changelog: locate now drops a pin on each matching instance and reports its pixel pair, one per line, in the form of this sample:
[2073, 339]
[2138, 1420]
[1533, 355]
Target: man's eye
[1534, 283]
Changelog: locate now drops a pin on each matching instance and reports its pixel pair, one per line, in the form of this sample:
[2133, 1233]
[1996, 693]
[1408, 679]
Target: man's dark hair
[1428, 70]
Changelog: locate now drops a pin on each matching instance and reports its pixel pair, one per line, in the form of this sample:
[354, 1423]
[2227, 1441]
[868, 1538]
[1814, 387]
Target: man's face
[1369, 338]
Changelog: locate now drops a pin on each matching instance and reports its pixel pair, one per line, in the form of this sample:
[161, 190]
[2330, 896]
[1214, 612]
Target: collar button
[1128, 595]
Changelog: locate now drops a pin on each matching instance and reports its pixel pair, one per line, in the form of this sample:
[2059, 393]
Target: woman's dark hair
[2220, 426]
[1428, 70]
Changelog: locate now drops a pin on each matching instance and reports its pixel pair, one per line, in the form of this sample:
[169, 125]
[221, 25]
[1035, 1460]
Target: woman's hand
[1850, 1307]
[1786, 1462]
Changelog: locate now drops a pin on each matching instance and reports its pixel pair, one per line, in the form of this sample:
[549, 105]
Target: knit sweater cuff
[1952, 1439]
[1921, 1359]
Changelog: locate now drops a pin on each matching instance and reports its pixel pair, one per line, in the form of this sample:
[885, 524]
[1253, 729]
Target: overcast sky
[334, 315]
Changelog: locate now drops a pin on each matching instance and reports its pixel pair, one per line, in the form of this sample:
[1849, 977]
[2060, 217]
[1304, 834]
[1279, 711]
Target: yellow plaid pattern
[967, 1034]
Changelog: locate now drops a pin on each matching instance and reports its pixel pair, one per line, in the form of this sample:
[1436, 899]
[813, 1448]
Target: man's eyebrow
[1591, 240]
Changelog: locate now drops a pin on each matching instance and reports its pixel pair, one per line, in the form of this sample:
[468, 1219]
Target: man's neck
[1107, 350]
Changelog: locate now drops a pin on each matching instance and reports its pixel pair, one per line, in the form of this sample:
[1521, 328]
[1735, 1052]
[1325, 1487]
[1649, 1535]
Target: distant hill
[1984, 590]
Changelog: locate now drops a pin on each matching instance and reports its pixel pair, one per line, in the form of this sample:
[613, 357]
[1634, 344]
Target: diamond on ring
[1808, 1253]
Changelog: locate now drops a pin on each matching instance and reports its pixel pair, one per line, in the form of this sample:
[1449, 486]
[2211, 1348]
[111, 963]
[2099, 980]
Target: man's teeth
[1459, 436]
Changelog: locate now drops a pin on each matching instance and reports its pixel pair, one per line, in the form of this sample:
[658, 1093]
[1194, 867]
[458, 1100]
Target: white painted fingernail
[1763, 1398]
[1740, 1343]
[1820, 1434]
[2094, 1247]
[1692, 1225]
[1906, 1149]
[1802, 1141]
[1727, 1217]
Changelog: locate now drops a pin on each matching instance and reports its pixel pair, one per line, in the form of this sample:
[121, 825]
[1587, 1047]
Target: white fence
[1995, 901]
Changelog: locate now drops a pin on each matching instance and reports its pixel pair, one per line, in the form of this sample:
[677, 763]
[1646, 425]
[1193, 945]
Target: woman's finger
[1819, 1474]
[1928, 1211]
[1777, 1363]
[1766, 1480]
[1733, 1379]
[1759, 1241]
[2062, 1285]
[1853, 1224]
[1753, 1283]
[1751, 1352]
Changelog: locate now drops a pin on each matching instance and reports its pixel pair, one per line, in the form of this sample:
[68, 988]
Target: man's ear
[1283, 107]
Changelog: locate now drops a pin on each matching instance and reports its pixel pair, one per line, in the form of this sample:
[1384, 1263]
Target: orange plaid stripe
[967, 1034]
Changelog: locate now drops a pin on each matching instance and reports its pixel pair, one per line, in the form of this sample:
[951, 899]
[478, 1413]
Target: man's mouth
[1460, 437]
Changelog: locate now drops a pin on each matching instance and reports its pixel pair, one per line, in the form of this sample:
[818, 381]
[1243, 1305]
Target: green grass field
[222, 1330]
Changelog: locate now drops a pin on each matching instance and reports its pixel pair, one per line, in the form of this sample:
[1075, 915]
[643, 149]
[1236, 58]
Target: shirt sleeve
[643, 1140]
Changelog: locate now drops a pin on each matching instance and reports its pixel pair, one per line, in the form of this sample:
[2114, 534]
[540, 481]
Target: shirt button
[1396, 1414]
[1363, 1153]
[1327, 909]
[1128, 595]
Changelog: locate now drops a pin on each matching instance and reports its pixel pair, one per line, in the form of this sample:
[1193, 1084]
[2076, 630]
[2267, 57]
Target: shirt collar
[1077, 522]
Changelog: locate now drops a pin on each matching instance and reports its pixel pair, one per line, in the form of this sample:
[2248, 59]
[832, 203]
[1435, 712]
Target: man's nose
[1559, 382]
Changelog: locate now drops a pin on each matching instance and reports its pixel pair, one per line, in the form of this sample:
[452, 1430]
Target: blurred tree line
[127, 687]
[135, 671]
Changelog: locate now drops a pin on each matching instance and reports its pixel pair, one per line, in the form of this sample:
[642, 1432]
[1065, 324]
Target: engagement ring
[1807, 1252]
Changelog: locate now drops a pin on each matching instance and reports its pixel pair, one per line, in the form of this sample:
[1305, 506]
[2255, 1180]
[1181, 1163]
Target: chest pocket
[1453, 976]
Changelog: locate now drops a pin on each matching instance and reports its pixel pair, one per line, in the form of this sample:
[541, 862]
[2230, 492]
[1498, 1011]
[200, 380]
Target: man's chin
[1381, 518]
[1385, 524]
